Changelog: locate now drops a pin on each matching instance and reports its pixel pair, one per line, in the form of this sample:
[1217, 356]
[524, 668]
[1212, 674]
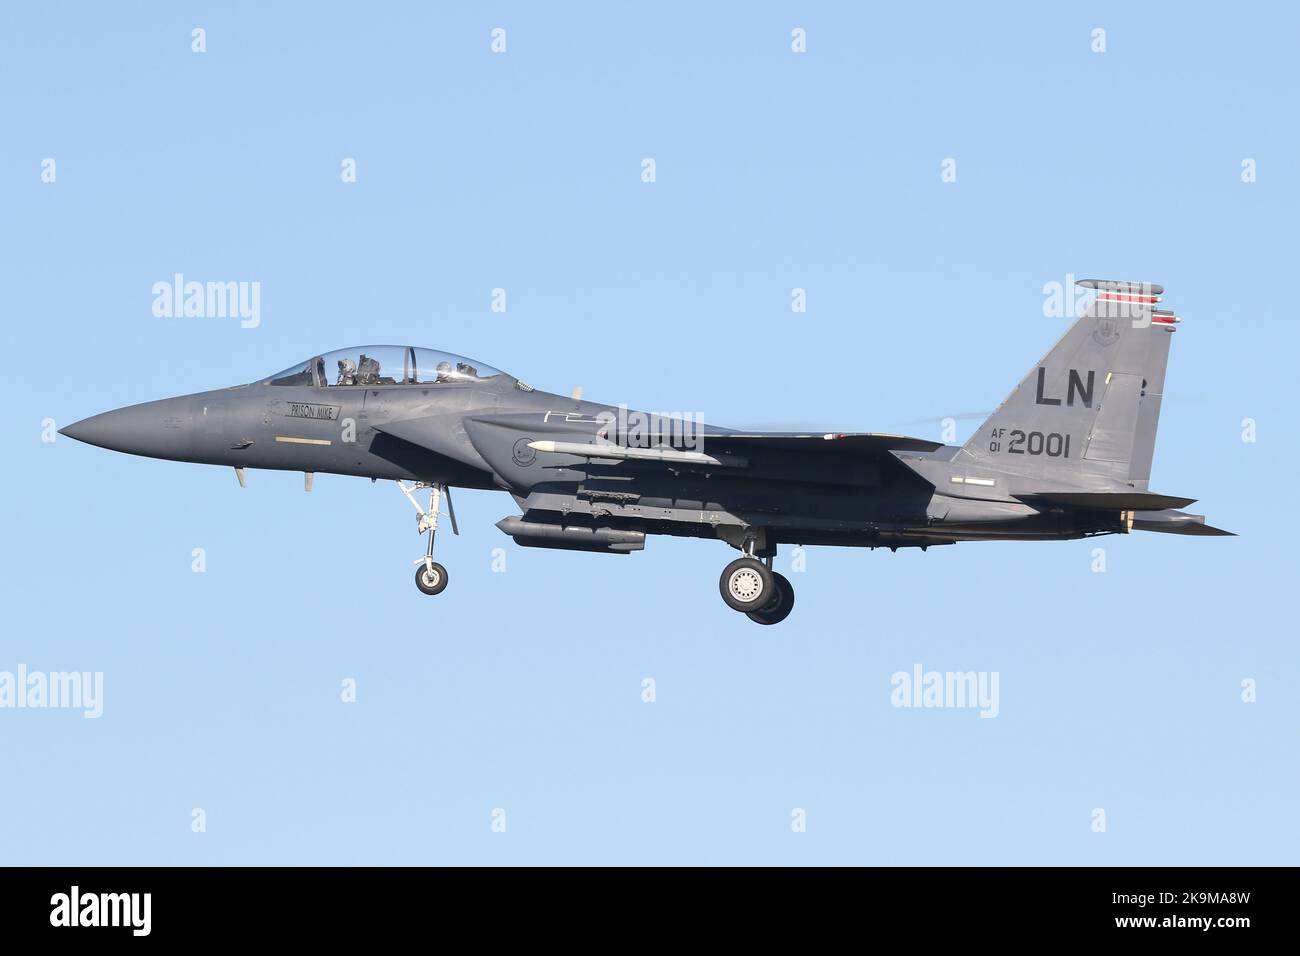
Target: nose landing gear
[430, 576]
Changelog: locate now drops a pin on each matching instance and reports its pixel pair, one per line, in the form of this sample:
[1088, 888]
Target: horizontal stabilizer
[1192, 527]
[1108, 500]
[1176, 522]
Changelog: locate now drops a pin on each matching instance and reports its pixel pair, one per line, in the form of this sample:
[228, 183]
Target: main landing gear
[749, 585]
[430, 576]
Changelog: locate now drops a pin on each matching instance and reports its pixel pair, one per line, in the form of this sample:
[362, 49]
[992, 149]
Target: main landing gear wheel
[779, 608]
[747, 585]
[431, 580]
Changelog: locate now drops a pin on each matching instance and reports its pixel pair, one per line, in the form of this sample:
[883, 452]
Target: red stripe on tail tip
[1119, 297]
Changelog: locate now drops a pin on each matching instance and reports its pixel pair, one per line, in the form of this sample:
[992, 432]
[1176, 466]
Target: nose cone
[155, 429]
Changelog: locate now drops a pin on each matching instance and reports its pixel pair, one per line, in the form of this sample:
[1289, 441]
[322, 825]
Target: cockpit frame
[376, 366]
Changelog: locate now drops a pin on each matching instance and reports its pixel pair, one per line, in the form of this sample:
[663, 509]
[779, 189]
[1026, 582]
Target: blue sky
[1119, 691]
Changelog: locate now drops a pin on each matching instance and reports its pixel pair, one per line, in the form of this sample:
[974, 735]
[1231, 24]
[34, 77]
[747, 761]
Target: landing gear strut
[749, 585]
[430, 576]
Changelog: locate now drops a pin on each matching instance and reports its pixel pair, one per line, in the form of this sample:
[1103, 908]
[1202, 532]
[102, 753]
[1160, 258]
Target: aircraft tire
[779, 608]
[746, 585]
[431, 584]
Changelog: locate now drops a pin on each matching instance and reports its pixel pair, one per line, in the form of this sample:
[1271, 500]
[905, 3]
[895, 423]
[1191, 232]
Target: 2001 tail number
[1051, 444]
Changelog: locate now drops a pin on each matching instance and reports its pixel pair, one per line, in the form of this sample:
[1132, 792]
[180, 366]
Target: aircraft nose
[155, 429]
[91, 430]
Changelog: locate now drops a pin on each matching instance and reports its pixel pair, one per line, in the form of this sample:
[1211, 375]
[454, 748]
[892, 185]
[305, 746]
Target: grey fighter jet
[1066, 456]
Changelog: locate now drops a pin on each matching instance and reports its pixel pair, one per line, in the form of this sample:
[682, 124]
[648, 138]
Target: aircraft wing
[733, 449]
[512, 442]
[848, 443]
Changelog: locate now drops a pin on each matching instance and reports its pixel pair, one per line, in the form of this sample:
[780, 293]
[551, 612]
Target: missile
[625, 452]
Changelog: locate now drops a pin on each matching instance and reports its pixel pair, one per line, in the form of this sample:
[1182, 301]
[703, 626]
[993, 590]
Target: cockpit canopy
[384, 365]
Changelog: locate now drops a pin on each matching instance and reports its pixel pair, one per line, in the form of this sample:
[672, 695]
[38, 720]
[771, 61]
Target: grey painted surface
[1067, 454]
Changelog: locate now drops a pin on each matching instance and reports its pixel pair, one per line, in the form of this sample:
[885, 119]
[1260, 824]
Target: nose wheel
[430, 576]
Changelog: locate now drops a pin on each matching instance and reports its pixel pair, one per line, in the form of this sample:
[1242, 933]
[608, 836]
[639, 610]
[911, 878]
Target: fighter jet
[1067, 455]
